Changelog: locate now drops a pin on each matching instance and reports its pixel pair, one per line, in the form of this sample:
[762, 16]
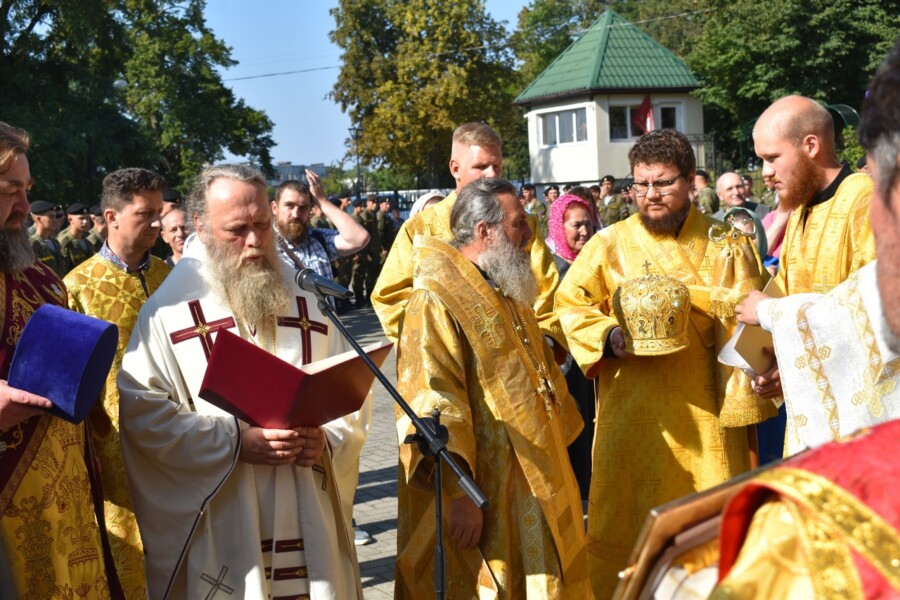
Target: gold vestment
[482, 360]
[394, 285]
[670, 425]
[101, 289]
[824, 244]
[49, 526]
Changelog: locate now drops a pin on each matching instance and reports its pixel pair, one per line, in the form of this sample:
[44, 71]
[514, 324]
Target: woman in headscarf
[571, 225]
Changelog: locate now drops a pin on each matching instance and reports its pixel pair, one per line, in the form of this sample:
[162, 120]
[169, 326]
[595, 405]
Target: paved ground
[376, 498]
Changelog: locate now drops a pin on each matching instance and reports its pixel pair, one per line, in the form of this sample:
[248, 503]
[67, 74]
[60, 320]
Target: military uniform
[385, 230]
[49, 253]
[94, 240]
[320, 222]
[368, 260]
[73, 251]
[615, 211]
[707, 201]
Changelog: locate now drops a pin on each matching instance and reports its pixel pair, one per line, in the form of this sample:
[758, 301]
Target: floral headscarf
[556, 222]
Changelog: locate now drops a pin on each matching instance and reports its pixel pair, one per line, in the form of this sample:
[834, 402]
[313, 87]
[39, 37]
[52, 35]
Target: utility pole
[355, 131]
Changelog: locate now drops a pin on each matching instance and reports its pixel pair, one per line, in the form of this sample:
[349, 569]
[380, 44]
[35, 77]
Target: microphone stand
[431, 438]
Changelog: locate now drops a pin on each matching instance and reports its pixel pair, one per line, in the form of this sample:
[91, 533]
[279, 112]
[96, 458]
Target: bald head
[730, 189]
[796, 117]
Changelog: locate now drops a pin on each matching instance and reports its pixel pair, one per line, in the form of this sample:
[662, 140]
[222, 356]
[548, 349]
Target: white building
[584, 110]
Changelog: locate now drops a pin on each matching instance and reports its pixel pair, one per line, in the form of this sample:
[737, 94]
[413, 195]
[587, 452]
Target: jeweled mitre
[654, 314]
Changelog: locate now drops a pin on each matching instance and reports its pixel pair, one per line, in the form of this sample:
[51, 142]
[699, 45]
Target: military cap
[40, 206]
[608, 178]
[77, 209]
[96, 210]
[359, 202]
[172, 196]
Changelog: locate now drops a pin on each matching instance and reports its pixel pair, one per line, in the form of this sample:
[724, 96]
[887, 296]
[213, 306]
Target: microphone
[314, 283]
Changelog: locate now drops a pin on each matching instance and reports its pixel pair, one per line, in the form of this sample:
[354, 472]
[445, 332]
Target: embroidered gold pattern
[487, 324]
[843, 520]
[813, 360]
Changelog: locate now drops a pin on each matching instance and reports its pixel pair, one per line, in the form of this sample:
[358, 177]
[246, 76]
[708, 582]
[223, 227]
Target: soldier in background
[43, 241]
[97, 235]
[75, 249]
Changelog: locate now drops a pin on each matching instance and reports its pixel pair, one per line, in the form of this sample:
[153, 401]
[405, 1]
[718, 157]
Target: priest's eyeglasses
[642, 188]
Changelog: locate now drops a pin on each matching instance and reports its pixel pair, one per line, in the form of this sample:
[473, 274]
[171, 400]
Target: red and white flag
[642, 118]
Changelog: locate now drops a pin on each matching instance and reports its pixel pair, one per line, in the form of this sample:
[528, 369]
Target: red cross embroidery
[201, 328]
[304, 325]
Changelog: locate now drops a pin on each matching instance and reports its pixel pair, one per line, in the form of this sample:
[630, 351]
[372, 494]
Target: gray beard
[510, 268]
[256, 293]
[16, 253]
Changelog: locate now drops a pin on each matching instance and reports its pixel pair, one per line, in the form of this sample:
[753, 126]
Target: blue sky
[292, 35]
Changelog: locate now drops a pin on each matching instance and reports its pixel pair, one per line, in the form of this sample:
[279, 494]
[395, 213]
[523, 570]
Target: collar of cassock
[109, 255]
[487, 278]
[826, 194]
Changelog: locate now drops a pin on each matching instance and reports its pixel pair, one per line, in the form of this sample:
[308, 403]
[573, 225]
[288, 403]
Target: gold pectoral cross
[545, 389]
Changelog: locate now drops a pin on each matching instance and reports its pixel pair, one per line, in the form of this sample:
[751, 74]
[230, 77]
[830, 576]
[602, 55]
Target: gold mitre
[654, 313]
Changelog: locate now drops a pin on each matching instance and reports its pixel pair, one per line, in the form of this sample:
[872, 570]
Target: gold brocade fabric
[460, 351]
[834, 242]
[804, 537]
[394, 285]
[667, 426]
[103, 290]
[49, 528]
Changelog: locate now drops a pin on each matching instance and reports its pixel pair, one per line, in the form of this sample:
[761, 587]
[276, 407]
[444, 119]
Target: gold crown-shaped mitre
[654, 313]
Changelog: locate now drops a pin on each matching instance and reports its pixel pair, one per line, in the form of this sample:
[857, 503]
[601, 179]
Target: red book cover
[265, 391]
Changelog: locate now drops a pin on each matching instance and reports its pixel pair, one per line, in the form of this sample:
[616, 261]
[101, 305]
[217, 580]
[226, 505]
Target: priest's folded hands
[302, 446]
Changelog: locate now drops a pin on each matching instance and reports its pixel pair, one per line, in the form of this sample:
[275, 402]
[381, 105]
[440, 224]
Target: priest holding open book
[224, 505]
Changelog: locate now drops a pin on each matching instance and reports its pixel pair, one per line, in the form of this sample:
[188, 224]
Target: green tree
[414, 70]
[104, 84]
[175, 92]
[749, 55]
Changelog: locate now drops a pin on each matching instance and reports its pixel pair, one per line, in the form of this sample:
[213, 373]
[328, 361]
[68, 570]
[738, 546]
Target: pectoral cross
[217, 584]
[201, 328]
[305, 326]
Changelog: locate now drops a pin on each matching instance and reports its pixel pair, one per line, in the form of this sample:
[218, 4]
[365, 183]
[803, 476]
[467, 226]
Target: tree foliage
[746, 53]
[748, 56]
[413, 70]
[104, 84]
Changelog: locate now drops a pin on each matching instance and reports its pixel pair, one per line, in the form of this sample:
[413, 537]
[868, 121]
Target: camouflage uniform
[615, 211]
[52, 258]
[368, 260]
[707, 201]
[385, 230]
[94, 240]
[73, 251]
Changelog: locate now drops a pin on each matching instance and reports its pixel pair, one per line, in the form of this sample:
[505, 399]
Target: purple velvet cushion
[64, 356]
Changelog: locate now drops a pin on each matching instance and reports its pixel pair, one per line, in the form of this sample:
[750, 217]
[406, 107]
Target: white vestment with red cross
[212, 526]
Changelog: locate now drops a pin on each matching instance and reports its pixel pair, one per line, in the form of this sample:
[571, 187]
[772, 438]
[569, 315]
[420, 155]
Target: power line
[477, 48]
[279, 74]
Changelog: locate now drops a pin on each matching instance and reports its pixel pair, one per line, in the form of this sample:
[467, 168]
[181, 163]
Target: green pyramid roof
[613, 55]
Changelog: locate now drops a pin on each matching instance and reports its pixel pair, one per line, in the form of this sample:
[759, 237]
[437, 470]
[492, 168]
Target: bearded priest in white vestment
[226, 509]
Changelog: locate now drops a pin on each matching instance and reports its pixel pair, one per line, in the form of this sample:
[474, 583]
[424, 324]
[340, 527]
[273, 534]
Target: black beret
[96, 210]
[172, 196]
[77, 209]
[40, 206]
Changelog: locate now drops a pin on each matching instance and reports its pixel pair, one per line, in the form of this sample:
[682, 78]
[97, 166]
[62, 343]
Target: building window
[668, 117]
[564, 127]
[620, 120]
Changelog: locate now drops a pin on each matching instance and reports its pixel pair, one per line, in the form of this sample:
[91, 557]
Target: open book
[265, 391]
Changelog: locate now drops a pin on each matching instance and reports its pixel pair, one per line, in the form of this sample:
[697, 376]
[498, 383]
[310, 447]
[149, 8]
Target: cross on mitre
[201, 329]
[305, 325]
